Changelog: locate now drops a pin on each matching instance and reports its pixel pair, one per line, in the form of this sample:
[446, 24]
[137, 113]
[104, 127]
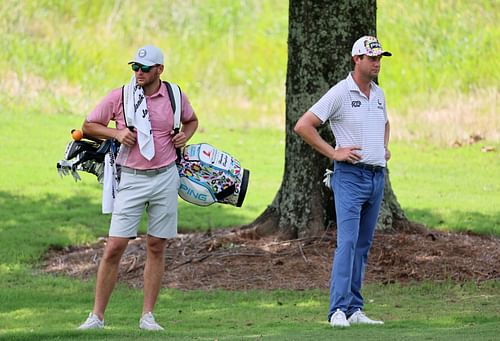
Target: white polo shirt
[355, 120]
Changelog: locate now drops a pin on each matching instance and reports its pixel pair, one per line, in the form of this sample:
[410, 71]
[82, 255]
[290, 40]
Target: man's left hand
[179, 139]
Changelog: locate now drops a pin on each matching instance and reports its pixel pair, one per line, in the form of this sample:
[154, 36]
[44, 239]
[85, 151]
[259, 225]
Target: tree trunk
[320, 37]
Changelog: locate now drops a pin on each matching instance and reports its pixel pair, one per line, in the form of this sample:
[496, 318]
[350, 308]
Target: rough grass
[230, 57]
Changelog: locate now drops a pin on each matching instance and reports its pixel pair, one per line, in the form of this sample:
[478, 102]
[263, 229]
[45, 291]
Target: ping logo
[356, 104]
[193, 193]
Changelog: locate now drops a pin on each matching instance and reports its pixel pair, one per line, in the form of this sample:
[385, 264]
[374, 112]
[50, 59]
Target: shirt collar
[162, 91]
[351, 84]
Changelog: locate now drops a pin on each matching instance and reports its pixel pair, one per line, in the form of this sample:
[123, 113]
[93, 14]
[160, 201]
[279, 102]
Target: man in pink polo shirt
[144, 121]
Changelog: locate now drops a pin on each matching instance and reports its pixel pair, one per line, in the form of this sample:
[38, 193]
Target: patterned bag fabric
[209, 175]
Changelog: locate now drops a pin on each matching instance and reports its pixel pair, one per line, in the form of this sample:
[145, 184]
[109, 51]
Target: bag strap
[175, 96]
[174, 93]
[124, 99]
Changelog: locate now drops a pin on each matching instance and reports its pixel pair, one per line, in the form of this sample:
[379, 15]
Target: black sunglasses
[143, 68]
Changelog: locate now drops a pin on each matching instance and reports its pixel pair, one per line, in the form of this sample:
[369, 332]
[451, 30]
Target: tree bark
[320, 37]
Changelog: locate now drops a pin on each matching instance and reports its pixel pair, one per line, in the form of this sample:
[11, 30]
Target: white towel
[110, 183]
[137, 115]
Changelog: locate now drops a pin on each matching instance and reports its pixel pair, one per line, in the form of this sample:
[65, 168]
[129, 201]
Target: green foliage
[87, 51]
[440, 48]
[230, 56]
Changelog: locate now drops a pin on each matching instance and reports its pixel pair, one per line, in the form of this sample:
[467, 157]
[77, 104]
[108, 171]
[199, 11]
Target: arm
[96, 123]
[187, 131]
[306, 127]
[98, 130]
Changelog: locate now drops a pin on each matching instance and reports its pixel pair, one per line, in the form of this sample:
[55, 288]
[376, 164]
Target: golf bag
[208, 175]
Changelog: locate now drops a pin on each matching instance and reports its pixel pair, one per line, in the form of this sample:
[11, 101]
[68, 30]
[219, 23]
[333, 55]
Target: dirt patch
[229, 260]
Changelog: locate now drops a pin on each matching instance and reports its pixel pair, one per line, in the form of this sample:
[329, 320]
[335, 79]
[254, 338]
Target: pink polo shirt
[162, 122]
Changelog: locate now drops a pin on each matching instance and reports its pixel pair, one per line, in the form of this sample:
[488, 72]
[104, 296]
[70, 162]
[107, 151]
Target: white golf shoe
[92, 322]
[148, 322]
[338, 319]
[359, 317]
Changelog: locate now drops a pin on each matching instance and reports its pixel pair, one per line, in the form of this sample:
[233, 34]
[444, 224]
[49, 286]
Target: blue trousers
[358, 194]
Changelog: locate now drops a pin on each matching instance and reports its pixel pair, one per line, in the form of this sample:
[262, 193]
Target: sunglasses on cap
[144, 68]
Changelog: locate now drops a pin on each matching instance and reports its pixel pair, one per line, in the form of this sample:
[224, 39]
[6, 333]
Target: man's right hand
[347, 154]
[126, 137]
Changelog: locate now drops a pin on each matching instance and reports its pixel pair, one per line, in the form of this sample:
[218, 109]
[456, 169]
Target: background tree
[320, 38]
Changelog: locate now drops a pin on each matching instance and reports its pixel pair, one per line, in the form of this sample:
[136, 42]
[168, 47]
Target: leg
[153, 272]
[108, 273]
[162, 212]
[348, 206]
[368, 223]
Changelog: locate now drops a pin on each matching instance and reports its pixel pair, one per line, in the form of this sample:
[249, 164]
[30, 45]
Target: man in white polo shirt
[355, 108]
[144, 120]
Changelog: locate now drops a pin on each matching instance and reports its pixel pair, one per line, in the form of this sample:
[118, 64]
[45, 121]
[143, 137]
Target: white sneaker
[359, 317]
[92, 322]
[148, 322]
[338, 319]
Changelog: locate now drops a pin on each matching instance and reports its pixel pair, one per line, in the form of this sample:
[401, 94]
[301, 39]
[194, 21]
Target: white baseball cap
[370, 46]
[148, 55]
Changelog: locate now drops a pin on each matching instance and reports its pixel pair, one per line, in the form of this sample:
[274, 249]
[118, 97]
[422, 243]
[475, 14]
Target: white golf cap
[370, 46]
[148, 55]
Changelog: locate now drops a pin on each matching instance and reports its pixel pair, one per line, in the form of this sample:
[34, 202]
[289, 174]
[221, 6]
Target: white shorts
[157, 193]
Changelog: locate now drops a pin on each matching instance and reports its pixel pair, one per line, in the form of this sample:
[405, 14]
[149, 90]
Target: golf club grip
[131, 128]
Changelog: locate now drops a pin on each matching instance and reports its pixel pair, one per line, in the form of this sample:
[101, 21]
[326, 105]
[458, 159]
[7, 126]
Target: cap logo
[142, 53]
[372, 45]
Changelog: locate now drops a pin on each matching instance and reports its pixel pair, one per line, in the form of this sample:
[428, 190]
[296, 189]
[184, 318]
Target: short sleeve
[187, 110]
[328, 106]
[107, 109]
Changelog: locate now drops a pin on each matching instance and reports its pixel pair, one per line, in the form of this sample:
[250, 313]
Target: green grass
[454, 188]
[439, 47]
[449, 188]
[431, 311]
[230, 57]
[39, 209]
[60, 57]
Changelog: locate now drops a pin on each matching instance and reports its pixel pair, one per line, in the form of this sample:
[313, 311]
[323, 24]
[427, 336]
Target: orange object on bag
[76, 134]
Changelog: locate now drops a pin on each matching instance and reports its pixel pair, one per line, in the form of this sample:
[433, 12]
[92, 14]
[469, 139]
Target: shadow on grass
[29, 226]
[216, 216]
[458, 221]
